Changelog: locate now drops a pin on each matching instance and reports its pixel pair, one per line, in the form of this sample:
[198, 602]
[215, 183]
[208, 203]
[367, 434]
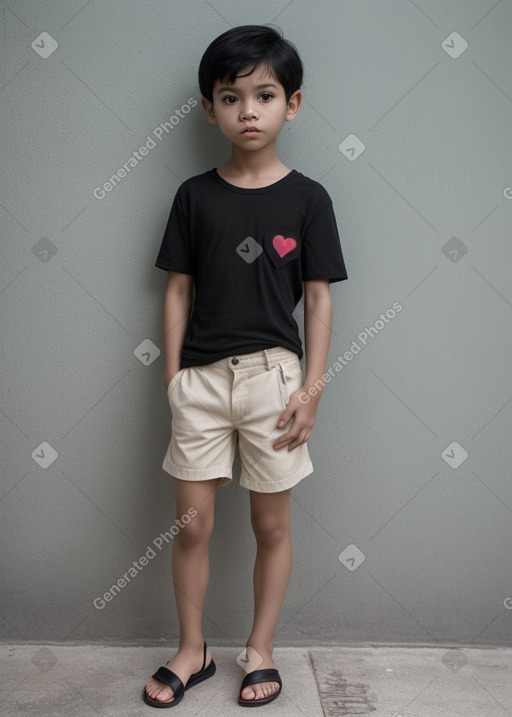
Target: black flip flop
[252, 678]
[170, 678]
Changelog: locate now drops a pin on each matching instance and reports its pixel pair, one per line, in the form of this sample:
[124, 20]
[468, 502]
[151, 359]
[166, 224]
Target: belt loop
[268, 358]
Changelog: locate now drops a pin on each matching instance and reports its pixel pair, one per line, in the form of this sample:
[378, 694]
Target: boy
[246, 239]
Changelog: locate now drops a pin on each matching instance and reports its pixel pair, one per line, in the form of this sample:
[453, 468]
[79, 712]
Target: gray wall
[424, 214]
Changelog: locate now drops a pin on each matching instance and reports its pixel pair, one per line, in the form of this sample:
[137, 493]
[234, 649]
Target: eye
[227, 99]
[266, 96]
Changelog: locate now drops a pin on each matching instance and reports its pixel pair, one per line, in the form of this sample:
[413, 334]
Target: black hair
[246, 46]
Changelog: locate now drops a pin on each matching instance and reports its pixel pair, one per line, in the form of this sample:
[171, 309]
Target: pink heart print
[283, 246]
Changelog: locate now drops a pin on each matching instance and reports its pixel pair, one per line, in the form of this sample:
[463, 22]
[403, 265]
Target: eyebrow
[233, 89]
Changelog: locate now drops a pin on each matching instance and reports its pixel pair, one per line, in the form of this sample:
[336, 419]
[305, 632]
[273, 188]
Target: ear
[208, 108]
[294, 104]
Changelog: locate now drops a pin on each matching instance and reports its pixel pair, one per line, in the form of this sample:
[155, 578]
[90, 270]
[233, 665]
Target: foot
[261, 689]
[185, 662]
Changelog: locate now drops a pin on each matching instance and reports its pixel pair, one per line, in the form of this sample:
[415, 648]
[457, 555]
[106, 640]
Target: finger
[295, 437]
[295, 444]
[284, 440]
[300, 439]
[284, 418]
[281, 443]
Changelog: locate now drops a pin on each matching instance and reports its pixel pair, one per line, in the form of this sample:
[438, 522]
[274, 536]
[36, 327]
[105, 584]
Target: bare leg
[270, 519]
[190, 572]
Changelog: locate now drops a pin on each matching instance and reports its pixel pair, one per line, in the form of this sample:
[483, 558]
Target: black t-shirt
[249, 250]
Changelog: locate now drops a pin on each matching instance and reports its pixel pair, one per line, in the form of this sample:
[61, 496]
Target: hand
[304, 420]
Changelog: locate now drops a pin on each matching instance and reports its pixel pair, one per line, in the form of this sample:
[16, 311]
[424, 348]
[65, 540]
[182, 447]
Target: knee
[195, 533]
[270, 528]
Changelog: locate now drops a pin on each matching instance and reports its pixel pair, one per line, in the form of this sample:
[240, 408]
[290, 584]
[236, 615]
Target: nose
[248, 110]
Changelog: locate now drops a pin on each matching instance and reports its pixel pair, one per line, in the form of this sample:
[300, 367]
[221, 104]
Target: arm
[317, 335]
[177, 305]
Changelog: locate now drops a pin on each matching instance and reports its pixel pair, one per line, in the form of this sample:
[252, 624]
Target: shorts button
[235, 361]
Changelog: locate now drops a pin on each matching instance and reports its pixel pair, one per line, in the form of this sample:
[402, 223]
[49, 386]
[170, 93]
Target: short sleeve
[176, 250]
[322, 256]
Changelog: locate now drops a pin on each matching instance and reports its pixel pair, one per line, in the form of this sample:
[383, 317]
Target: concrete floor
[50, 680]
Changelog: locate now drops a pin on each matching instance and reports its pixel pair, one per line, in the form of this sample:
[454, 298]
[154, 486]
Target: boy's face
[257, 101]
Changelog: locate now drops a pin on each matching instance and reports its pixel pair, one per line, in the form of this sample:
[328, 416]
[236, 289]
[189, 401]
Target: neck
[246, 163]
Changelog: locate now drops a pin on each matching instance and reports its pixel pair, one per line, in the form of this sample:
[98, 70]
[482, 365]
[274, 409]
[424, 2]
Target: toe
[260, 691]
[159, 692]
[165, 695]
[270, 688]
[248, 693]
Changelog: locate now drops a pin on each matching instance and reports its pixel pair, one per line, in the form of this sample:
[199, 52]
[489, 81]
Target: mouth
[251, 130]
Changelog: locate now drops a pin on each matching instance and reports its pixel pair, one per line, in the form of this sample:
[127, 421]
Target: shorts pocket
[289, 374]
[177, 377]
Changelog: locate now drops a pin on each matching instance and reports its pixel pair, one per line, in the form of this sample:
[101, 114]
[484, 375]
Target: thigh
[270, 512]
[197, 499]
[276, 505]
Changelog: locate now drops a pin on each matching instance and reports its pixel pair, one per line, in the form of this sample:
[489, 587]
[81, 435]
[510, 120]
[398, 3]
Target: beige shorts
[237, 396]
